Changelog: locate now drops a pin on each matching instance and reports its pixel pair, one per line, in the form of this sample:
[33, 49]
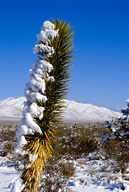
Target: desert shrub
[83, 143]
[84, 140]
[76, 143]
[79, 141]
[3, 153]
[67, 168]
[117, 145]
[7, 139]
[117, 150]
[55, 175]
[7, 135]
[8, 147]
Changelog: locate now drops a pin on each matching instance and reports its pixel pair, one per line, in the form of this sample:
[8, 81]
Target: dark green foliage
[57, 90]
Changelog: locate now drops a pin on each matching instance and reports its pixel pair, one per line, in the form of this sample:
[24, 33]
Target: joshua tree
[44, 93]
[116, 142]
[120, 126]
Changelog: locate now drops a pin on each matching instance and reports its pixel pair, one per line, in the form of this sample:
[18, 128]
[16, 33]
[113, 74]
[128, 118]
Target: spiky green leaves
[45, 94]
[63, 54]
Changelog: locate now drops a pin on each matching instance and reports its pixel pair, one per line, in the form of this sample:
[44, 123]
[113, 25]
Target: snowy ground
[91, 177]
[7, 174]
[83, 181]
[93, 173]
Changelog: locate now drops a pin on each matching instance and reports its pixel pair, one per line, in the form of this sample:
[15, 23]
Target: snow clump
[35, 89]
[17, 186]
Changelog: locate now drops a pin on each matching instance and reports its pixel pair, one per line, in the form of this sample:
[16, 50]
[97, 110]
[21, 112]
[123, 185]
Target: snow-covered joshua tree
[44, 93]
[119, 126]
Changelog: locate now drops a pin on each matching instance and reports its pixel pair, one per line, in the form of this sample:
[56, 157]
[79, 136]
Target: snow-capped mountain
[11, 109]
[81, 113]
[74, 112]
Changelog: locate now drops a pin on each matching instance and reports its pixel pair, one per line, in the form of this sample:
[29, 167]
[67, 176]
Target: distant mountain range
[11, 109]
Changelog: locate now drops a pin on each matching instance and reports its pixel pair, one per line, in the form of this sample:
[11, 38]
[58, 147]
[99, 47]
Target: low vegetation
[72, 143]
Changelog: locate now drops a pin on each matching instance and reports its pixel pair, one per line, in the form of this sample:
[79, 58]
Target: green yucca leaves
[41, 144]
[61, 59]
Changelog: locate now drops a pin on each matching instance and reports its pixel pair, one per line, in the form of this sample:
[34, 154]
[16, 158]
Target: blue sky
[100, 69]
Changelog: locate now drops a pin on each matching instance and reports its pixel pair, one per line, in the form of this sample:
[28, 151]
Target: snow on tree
[116, 141]
[44, 93]
[120, 126]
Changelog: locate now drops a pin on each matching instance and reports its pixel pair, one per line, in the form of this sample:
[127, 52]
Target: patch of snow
[17, 186]
[105, 137]
[91, 175]
[35, 92]
[89, 189]
[47, 32]
[8, 175]
[32, 157]
[30, 123]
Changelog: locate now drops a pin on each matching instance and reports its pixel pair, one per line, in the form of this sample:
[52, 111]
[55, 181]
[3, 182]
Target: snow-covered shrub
[120, 126]
[117, 151]
[116, 143]
[44, 93]
[55, 175]
[79, 142]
